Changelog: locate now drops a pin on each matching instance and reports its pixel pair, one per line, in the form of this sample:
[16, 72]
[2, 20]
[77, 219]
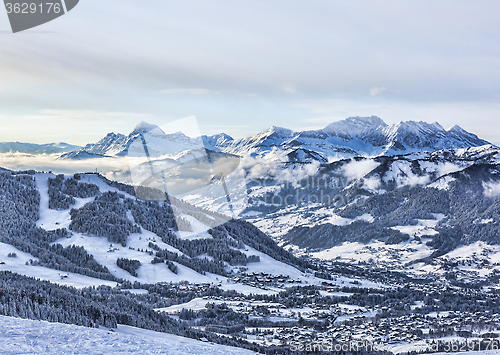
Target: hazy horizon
[241, 67]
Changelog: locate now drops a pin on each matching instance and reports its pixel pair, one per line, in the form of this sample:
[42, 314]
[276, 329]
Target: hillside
[88, 225]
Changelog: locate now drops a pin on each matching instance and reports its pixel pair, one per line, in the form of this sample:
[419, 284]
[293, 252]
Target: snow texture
[21, 336]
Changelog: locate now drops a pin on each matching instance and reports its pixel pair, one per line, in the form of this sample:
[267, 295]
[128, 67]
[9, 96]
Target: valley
[391, 240]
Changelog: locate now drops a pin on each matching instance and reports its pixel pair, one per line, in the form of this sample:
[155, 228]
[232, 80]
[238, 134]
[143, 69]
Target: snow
[443, 183]
[376, 251]
[358, 169]
[103, 187]
[22, 336]
[198, 229]
[336, 220]
[100, 248]
[196, 304]
[154, 273]
[484, 221]
[365, 217]
[474, 153]
[467, 251]
[422, 228]
[401, 172]
[335, 294]
[18, 265]
[107, 253]
[279, 223]
[135, 291]
[148, 272]
[53, 219]
[274, 267]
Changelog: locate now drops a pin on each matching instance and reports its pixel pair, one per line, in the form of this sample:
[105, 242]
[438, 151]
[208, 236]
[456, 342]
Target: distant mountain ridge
[31, 148]
[354, 136]
[359, 136]
[117, 144]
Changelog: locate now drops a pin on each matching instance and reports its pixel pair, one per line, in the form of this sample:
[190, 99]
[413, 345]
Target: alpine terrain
[358, 233]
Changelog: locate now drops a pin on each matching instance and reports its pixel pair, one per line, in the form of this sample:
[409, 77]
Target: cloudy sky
[242, 66]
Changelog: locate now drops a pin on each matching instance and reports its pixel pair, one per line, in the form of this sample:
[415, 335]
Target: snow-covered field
[22, 336]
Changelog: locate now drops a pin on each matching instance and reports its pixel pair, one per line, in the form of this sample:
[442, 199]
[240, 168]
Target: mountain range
[354, 136]
[349, 182]
[31, 148]
[353, 230]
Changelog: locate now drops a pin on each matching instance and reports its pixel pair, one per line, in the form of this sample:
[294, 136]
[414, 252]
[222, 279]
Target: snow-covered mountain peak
[420, 127]
[352, 137]
[459, 134]
[457, 129]
[176, 136]
[355, 126]
[144, 127]
[217, 141]
[277, 132]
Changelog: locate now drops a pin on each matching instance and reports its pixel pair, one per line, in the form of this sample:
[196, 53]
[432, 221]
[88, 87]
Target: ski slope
[137, 248]
[22, 336]
[18, 265]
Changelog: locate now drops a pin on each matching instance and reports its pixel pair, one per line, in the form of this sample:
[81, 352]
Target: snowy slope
[21, 336]
[137, 248]
[18, 265]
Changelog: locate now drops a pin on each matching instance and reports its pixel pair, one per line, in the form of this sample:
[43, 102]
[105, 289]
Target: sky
[243, 66]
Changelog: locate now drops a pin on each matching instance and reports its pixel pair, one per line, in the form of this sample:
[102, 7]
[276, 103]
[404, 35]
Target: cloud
[290, 88]
[272, 166]
[358, 169]
[332, 51]
[491, 189]
[190, 91]
[376, 91]
[372, 183]
[49, 162]
[448, 168]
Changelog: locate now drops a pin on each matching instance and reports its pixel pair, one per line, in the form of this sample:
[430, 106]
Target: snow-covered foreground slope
[21, 336]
